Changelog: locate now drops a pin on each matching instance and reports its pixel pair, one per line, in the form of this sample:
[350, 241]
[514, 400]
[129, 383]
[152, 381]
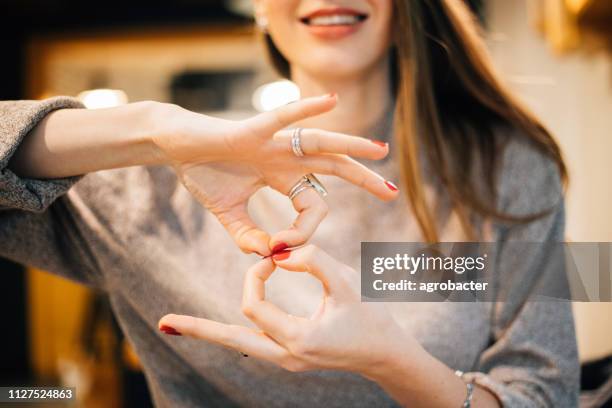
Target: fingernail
[332, 95]
[169, 330]
[280, 256]
[379, 143]
[279, 247]
[391, 186]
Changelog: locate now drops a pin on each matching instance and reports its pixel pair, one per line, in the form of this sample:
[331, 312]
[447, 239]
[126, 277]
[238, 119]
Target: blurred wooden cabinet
[572, 24]
[57, 309]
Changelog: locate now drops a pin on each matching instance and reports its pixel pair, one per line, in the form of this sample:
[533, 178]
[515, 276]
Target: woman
[466, 149]
[474, 165]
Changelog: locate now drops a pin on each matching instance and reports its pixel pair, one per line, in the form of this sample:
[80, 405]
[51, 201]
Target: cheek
[384, 23]
[282, 25]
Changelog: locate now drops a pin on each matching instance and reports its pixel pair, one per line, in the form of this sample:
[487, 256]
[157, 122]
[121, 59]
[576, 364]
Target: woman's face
[329, 37]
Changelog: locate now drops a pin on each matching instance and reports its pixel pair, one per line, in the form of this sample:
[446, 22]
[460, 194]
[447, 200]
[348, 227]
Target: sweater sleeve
[532, 359]
[17, 119]
[38, 223]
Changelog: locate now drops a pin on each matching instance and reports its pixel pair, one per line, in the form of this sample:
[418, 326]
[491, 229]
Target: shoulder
[529, 180]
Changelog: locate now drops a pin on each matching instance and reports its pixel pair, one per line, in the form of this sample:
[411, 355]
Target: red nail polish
[169, 330]
[391, 186]
[281, 256]
[379, 143]
[279, 247]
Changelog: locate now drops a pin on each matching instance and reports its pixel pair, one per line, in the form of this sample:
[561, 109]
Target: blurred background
[205, 55]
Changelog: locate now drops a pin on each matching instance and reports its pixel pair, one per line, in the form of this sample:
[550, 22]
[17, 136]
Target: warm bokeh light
[275, 94]
[103, 98]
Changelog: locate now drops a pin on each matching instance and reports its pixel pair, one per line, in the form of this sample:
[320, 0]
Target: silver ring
[316, 184]
[298, 187]
[296, 142]
[297, 191]
[308, 181]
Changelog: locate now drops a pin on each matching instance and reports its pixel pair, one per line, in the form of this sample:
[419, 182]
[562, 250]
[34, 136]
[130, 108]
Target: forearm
[71, 142]
[415, 378]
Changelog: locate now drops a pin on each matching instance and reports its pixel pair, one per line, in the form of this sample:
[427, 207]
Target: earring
[262, 22]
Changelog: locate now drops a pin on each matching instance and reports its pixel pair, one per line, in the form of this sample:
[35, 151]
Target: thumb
[244, 231]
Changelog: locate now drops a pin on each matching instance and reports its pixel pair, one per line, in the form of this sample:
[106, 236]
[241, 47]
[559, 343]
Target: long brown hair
[448, 103]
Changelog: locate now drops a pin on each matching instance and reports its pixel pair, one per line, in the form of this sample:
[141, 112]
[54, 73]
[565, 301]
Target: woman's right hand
[223, 163]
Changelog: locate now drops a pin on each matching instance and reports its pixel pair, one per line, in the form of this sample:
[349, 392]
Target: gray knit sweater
[137, 234]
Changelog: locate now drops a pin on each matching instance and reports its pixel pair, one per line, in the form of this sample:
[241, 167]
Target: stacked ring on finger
[296, 142]
[308, 181]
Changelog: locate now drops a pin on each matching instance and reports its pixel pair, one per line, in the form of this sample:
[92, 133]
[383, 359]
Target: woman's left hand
[344, 333]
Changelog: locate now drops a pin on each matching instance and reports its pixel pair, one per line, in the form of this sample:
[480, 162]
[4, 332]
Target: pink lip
[333, 32]
[332, 11]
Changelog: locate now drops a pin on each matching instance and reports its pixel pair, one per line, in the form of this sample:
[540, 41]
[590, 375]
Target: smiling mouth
[333, 18]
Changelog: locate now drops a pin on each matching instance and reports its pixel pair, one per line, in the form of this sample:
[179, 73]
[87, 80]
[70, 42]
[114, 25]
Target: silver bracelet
[467, 403]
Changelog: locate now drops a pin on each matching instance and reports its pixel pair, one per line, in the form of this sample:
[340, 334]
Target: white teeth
[335, 19]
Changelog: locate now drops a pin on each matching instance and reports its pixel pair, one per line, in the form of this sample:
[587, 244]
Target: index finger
[353, 172]
[277, 323]
[339, 281]
[311, 209]
[268, 123]
[242, 339]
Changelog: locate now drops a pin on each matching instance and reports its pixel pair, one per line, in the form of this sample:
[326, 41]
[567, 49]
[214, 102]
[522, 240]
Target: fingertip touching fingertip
[282, 255]
[281, 246]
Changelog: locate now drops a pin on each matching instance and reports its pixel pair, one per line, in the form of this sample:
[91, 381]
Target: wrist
[415, 378]
[153, 130]
[179, 135]
[403, 357]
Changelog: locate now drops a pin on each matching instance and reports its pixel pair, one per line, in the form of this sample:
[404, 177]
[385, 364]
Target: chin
[334, 63]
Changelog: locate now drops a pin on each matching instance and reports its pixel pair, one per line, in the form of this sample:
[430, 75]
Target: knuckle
[301, 345]
[303, 349]
[317, 144]
[300, 236]
[310, 252]
[227, 337]
[364, 181]
[293, 334]
[279, 117]
[335, 168]
[323, 209]
[248, 310]
[293, 365]
[350, 147]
